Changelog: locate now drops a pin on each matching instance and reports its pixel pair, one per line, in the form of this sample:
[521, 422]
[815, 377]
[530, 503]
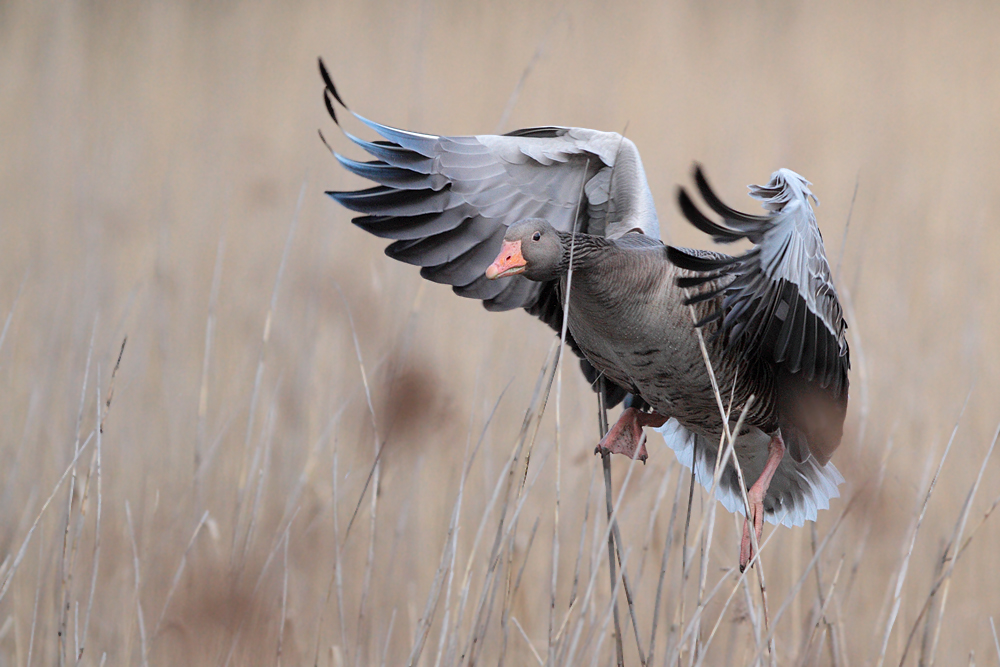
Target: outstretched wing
[447, 201]
[779, 301]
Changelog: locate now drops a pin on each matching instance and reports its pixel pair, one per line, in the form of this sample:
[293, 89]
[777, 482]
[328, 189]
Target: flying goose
[503, 218]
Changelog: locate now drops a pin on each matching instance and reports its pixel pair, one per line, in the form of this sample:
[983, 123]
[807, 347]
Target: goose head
[531, 247]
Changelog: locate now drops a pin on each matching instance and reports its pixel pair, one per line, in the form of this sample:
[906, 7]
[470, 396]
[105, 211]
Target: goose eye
[537, 236]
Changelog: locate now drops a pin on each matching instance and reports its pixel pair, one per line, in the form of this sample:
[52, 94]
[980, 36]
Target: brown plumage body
[628, 316]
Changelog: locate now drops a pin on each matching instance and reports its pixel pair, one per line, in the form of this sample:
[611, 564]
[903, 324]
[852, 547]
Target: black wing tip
[330, 92]
[698, 173]
[328, 80]
[325, 142]
[712, 317]
[729, 214]
[339, 195]
[685, 260]
[694, 215]
[329, 106]
[683, 198]
[695, 281]
[707, 295]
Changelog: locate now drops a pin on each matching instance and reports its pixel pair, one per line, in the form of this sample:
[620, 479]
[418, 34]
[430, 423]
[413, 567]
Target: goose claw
[626, 436]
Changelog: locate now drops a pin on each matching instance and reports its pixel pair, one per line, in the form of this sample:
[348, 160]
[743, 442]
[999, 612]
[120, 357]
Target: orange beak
[508, 263]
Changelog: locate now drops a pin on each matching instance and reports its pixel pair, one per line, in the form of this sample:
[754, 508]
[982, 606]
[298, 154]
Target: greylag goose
[504, 219]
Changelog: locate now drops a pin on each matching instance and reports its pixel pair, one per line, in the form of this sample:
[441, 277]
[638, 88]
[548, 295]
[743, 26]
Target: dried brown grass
[150, 175]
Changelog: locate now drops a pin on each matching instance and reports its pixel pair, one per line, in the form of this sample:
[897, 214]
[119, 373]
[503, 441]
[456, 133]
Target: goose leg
[625, 437]
[775, 452]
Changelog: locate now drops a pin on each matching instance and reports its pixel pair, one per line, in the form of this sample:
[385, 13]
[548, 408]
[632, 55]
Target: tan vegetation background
[156, 162]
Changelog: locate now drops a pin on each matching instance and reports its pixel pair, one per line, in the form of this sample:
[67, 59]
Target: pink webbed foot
[757, 516]
[755, 497]
[625, 437]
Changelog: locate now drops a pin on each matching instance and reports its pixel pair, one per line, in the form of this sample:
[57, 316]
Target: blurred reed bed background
[161, 178]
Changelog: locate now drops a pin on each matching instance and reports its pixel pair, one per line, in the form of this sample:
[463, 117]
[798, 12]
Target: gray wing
[780, 300]
[447, 201]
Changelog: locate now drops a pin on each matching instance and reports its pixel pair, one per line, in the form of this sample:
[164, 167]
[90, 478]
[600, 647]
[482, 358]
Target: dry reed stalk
[12, 568]
[615, 541]
[256, 588]
[752, 615]
[468, 459]
[602, 627]
[996, 641]
[606, 463]
[505, 614]
[689, 628]
[821, 613]
[838, 635]
[284, 600]
[209, 455]
[697, 646]
[727, 434]
[213, 298]
[554, 568]
[292, 498]
[527, 550]
[609, 508]
[34, 612]
[506, 472]
[647, 542]
[369, 561]
[527, 641]
[616, 533]
[664, 559]
[244, 476]
[706, 525]
[725, 452]
[904, 566]
[388, 637]
[336, 577]
[943, 573]
[111, 383]
[13, 307]
[175, 581]
[859, 364]
[821, 617]
[532, 418]
[604, 537]
[466, 579]
[374, 476]
[876, 489]
[96, 558]
[507, 542]
[137, 580]
[67, 559]
[805, 575]
[680, 610]
[847, 226]
[258, 468]
[953, 544]
[581, 548]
